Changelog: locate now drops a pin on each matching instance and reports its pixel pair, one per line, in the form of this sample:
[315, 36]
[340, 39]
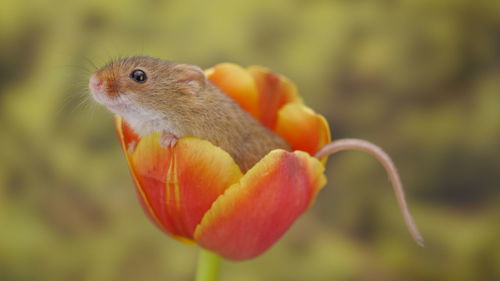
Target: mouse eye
[138, 76]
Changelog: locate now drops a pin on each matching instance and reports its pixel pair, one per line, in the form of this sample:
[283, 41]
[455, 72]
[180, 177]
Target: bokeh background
[420, 78]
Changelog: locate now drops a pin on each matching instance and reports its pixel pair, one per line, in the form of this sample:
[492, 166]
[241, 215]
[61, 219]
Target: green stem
[208, 266]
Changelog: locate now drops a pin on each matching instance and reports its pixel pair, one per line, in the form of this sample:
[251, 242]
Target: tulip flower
[196, 193]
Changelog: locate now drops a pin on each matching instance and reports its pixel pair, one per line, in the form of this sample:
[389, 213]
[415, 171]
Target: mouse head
[145, 88]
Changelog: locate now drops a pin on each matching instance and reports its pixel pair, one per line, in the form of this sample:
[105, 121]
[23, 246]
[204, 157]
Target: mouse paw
[168, 140]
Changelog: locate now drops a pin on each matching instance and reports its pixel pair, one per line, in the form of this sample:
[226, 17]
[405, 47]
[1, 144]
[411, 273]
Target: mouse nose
[95, 82]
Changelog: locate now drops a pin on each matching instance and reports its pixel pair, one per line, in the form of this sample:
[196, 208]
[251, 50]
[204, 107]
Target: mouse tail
[385, 160]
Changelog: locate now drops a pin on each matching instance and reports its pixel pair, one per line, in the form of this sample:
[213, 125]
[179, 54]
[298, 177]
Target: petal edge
[302, 128]
[254, 213]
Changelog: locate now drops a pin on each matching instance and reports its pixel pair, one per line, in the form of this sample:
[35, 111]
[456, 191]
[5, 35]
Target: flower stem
[208, 266]
[385, 160]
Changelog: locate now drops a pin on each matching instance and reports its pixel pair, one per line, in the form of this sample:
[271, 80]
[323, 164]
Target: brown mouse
[177, 100]
[155, 95]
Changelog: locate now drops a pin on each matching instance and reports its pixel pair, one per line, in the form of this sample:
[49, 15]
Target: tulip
[196, 193]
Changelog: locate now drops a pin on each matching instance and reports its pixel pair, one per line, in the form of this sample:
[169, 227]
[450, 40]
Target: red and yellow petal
[274, 101]
[126, 135]
[302, 128]
[178, 185]
[236, 82]
[257, 90]
[254, 213]
[274, 92]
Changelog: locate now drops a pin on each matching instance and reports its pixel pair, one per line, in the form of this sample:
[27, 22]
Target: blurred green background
[419, 78]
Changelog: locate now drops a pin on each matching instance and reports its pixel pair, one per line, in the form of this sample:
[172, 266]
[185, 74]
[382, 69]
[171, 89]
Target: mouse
[177, 100]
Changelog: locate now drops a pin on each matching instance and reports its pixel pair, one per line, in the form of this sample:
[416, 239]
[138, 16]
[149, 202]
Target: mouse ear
[192, 75]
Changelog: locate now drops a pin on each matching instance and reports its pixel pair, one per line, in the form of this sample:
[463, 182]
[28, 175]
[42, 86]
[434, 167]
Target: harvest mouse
[177, 100]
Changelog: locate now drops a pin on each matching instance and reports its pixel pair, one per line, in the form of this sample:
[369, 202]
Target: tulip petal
[274, 92]
[254, 213]
[178, 185]
[302, 128]
[236, 82]
[126, 134]
[128, 137]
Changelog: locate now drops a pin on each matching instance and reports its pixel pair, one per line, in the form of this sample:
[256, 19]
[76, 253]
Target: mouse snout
[103, 85]
[95, 82]
[99, 89]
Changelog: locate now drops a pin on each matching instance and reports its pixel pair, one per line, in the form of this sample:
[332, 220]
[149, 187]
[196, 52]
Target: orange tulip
[195, 191]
